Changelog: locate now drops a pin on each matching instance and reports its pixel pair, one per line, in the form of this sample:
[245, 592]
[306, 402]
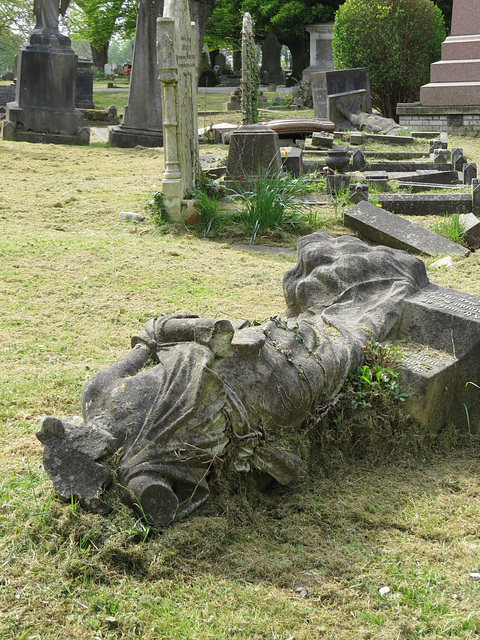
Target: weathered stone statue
[46, 30]
[192, 389]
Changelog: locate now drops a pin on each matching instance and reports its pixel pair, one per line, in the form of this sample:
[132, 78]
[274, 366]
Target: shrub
[396, 39]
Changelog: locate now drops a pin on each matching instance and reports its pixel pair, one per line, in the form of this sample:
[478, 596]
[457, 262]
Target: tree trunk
[100, 56]
[300, 56]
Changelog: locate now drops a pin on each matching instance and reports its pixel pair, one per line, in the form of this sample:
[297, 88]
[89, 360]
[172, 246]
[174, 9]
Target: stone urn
[337, 159]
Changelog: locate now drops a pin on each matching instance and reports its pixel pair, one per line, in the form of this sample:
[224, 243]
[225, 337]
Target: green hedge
[396, 39]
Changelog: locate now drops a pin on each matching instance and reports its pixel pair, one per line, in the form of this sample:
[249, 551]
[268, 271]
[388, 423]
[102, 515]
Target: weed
[269, 201]
[340, 200]
[449, 227]
[157, 210]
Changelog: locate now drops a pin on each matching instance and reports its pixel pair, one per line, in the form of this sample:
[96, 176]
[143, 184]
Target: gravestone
[177, 63]
[321, 56]
[220, 60]
[44, 107]
[84, 86]
[352, 86]
[142, 117]
[252, 148]
[469, 171]
[383, 227]
[250, 79]
[271, 71]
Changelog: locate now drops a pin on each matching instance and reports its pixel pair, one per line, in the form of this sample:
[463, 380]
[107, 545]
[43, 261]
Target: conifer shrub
[396, 39]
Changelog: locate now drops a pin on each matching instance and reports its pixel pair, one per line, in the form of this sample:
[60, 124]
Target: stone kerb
[177, 64]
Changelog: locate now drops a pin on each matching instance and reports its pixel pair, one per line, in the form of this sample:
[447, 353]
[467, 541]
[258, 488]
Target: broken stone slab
[322, 140]
[426, 176]
[290, 126]
[420, 187]
[435, 144]
[130, 216]
[447, 261]
[219, 131]
[388, 139]
[409, 167]
[427, 204]
[384, 227]
[439, 334]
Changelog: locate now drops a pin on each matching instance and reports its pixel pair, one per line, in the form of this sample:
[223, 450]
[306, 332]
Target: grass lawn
[301, 562]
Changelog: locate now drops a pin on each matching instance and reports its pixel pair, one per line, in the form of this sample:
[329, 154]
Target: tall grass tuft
[270, 201]
[449, 227]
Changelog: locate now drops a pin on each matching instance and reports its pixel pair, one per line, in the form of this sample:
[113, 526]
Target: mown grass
[75, 285]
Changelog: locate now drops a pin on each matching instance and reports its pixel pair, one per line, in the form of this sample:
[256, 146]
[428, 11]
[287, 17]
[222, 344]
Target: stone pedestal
[253, 147]
[44, 109]
[321, 56]
[142, 118]
[455, 79]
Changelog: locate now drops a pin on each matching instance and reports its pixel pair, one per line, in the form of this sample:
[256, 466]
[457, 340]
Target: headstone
[469, 223]
[358, 160]
[142, 117]
[252, 148]
[469, 172]
[440, 156]
[459, 163]
[338, 184]
[234, 102]
[177, 62]
[388, 229]
[456, 153]
[321, 56]
[220, 60]
[322, 140]
[292, 160]
[44, 108]
[271, 71]
[219, 131]
[358, 193]
[250, 79]
[84, 86]
[237, 62]
[351, 85]
[476, 196]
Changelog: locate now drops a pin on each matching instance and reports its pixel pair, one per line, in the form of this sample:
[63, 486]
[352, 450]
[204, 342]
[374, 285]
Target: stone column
[321, 56]
[250, 79]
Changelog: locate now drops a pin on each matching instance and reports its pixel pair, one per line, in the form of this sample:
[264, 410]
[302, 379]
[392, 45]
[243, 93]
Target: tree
[286, 18]
[396, 39]
[99, 20]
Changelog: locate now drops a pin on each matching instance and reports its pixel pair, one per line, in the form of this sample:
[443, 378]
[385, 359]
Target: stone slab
[420, 187]
[426, 177]
[410, 167]
[384, 227]
[431, 204]
[461, 47]
[328, 83]
[388, 139]
[448, 322]
[450, 93]
[455, 70]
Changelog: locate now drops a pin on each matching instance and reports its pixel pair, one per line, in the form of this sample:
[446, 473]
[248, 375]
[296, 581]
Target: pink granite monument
[455, 79]
[451, 100]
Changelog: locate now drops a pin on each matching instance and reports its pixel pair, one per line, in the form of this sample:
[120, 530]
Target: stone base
[450, 93]
[128, 137]
[458, 120]
[10, 132]
[44, 120]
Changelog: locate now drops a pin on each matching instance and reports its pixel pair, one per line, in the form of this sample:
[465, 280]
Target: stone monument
[250, 79]
[142, 118]
[177, 64]
[321, 56]
[44, 108]
[450, 101]
[271, 71]
[193, 389]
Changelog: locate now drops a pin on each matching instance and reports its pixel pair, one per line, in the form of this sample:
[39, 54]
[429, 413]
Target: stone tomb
[439, 335]
[388, 229]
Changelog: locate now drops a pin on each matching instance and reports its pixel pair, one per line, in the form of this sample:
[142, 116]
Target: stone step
[450, 93]
[455, 71]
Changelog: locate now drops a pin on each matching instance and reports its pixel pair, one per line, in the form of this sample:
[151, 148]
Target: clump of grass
[269, 201]
[450, 227]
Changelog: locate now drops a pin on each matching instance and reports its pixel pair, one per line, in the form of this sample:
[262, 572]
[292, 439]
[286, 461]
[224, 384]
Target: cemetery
[240, 391]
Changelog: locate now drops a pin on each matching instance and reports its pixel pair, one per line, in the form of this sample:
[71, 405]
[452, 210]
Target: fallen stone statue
[192, 389]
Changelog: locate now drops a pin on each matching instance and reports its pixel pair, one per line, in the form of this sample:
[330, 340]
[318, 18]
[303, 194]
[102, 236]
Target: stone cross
[250, 79]
[177, 65]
